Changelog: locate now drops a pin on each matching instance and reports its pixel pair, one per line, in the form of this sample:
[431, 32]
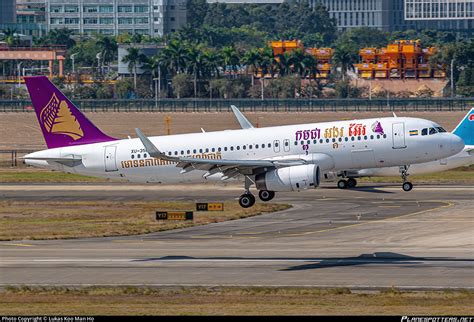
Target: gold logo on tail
[58, 119]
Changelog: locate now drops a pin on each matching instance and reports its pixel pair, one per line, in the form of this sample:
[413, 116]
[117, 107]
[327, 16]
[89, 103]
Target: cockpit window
[424, 132]
[441, 130]
[433, 131]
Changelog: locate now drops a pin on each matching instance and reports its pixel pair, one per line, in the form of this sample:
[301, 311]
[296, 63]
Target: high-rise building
[392, 15]
[112, 17]
[7, 11]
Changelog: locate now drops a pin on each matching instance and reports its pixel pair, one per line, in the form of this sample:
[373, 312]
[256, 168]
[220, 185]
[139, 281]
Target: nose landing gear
[406, 186]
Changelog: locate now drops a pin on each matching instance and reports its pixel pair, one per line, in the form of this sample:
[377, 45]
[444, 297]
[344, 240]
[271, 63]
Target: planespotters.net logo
[437, 319]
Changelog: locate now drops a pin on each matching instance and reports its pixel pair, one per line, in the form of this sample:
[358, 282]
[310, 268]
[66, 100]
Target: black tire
[342, 184]
[351, 183]
[407, 186]
[266, 195]
[247, 200]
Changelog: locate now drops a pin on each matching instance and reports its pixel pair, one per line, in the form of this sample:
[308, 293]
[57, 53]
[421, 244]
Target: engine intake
[295, 178]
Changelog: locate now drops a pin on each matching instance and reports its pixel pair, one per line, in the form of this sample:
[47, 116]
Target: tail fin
[465, 129]
[62, 123]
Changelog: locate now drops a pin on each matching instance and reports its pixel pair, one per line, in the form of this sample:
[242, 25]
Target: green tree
[344, 58]
[134, 58]
[108, 48]
[10, 36]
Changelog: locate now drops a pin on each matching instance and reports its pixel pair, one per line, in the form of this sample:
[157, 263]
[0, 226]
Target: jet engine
[295, 178]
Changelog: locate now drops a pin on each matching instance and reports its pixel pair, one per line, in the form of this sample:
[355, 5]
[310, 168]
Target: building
[441, 14]
[112, 17]
[7, 11]
[391, 15]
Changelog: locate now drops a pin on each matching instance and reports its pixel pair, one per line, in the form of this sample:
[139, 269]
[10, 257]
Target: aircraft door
[276, 146]
[286, 145]
[110, 158]
[398, 135]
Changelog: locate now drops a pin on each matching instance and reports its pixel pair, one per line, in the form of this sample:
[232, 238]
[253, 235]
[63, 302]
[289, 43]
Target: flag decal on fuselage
[413, 132]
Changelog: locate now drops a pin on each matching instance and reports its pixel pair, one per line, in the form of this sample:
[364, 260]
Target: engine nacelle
[295, 178]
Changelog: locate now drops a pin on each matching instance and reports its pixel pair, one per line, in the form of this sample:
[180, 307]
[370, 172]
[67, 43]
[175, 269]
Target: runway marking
[389, 206]
[447, 205]
[18, 245]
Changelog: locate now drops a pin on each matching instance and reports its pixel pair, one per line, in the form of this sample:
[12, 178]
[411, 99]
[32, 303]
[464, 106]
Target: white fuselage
[334, 146]
[463, 158]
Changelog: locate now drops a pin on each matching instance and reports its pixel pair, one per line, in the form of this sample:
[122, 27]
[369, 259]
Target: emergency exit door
[110, 158]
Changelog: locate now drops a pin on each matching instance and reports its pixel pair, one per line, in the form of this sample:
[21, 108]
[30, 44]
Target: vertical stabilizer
[62, 123]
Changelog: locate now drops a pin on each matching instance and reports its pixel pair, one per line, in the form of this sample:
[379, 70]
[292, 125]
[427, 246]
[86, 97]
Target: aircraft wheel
[407, 186]
[342, 184]
[266, 195]
[246, 200]
[351, 182]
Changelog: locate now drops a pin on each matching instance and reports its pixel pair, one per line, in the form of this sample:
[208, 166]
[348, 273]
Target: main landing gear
[247, 200]
[266, 195]
[406, 186]
[349, 183]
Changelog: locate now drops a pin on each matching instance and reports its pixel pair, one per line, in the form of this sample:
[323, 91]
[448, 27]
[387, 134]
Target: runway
[369, 237]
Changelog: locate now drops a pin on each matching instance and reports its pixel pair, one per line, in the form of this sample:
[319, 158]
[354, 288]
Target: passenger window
[194, 151]
[371, 137]
[213, 149]
[302, 142]
[333, 140]
[145, 155]
[238, 147]
[182, 152]
[243, 147]
[219, 149]
[321, 141]
[296, 142]
[358, 138]
[256, 146]
[385, 136]
[346, 139]
[340, 139]
[188, 152]
[352, 138]
[169, 153]
[315, 141]
[207, 150]
[365, 137]
[133, 156]
[269, 145]
[225, 148]
[175, 152]
[138, 156]
[276, 145]
[250, 147]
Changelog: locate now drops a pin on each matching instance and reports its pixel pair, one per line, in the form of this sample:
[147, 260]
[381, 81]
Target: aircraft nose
[457, 144]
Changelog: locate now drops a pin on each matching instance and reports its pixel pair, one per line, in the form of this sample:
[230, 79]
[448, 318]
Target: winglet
[244, 122]
[150, 147]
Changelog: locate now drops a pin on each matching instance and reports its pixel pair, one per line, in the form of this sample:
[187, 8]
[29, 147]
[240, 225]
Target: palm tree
[196, 62]
[343, 57]
[230, 58]
[251, 60]
[178, 55]
[108, 47]
[133, 59]
[284, 63]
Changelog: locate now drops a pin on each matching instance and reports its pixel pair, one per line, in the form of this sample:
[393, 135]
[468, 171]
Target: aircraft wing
[230, 168]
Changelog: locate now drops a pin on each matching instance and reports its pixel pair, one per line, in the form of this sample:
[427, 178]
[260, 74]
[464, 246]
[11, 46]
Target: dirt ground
[21, 130]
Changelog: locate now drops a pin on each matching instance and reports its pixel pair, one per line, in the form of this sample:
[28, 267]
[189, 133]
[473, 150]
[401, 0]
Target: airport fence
[255, 105]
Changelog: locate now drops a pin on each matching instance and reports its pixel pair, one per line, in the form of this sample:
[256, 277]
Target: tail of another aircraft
[62, 123]
[465, 129]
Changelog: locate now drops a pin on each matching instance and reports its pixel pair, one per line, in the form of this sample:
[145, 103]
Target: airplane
[465, 130]
[274, 159]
